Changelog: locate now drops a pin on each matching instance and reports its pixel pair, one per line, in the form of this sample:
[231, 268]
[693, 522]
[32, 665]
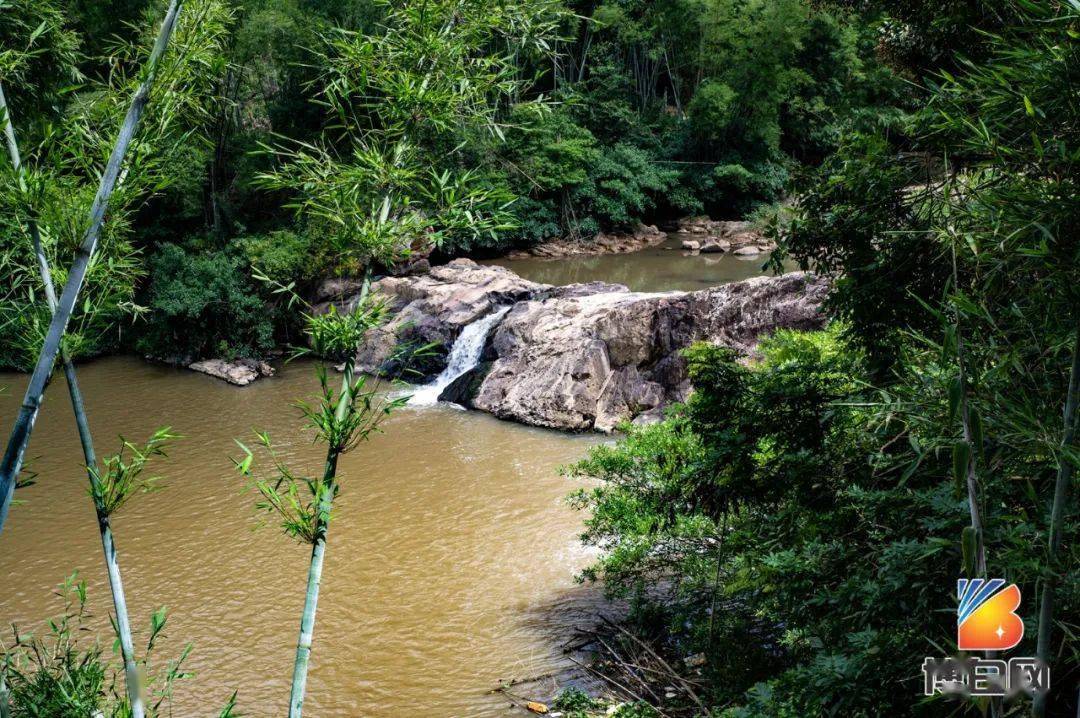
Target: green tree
[205, 305]
[383, 183]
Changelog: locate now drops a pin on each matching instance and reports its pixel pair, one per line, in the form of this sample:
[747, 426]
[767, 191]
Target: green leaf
[37, 31]
[975, 425]
[1028, 107]
[961, 457]
[955, 392]
[968, 544]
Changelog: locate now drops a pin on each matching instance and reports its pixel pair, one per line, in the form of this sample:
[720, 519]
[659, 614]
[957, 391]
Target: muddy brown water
[657, 269]
[450, 563]
[451, 559]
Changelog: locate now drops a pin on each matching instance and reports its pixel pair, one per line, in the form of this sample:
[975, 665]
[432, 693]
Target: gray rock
[748, 250]
[433, 308]
[716, 246]
[691, 244]
[586, 356]
[594, 362]
[240, 372]
[337, 288]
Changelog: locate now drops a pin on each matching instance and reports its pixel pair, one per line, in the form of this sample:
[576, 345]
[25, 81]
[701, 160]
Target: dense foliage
[815, 506]
[203, 299]
[371, 130]
[66, 115]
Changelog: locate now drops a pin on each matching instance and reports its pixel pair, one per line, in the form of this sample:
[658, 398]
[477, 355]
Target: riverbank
[571, 356]
[704, 234]
[643, 236]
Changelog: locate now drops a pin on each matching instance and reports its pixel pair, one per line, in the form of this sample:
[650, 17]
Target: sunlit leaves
[64, 150]
[122, 475]
[292, 499]
[340, 420]
[384, 180]
[58, 673]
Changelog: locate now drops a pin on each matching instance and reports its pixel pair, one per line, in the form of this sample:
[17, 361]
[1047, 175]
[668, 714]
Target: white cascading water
[464, 355]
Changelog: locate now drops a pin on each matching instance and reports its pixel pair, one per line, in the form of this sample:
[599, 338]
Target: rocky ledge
[603, 243]
[701, 234]
[580, 357]
[240, 372]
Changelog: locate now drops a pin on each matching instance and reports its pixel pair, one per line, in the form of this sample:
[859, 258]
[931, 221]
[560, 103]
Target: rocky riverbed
[643, 236]
[713, 236]
[578, 357]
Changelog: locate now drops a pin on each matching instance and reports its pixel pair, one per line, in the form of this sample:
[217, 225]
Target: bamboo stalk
[11, 464]
[995, 706]
[971, 476]
[123, 624]
[1057, 517]
[318, 551]
[5, 709]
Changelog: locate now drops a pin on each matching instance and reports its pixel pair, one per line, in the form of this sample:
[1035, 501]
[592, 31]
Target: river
[655, 269]
[451, 558]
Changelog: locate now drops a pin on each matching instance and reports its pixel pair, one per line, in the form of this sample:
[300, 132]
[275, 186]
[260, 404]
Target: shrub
[575, 703]
[53, 676]
[623, 186]
[283, 255]
[202, 305]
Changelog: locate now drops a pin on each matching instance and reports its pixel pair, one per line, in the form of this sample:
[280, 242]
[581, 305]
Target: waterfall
[464, 355]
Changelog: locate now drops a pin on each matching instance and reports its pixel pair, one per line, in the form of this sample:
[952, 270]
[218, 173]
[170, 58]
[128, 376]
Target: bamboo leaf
[969, 545]
[975, 426]
[37, 31]
[961, 457]
[955, 391]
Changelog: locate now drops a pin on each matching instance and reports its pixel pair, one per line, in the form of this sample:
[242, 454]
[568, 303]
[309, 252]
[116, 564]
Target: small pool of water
[662, 268]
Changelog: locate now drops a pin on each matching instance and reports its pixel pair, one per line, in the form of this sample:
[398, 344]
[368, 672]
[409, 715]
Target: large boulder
[240, 372]
[592, 362]
[433, 308]
[585, 356]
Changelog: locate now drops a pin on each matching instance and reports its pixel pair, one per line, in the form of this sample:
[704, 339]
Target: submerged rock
[715, 246]
[580, 357]
[240, 372]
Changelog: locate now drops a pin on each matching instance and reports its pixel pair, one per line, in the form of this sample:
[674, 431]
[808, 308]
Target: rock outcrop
[585, 356]
[240, 372]
[432, 309]
[714, 235]
[594, 361]
[603, 243]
